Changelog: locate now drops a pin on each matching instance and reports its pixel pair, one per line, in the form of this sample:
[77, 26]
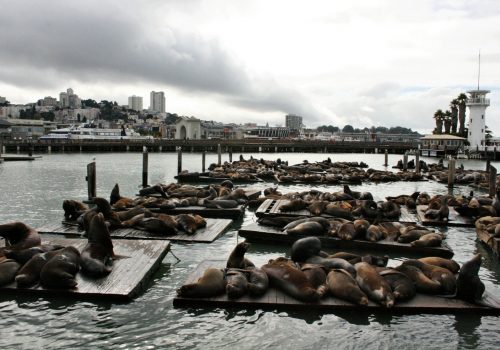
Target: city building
[438, 145]
[477, 103]
[13, 111]
[188, 128]
[135, 103]
[293, 122]
[29, 128]
[3, 99]
[157, 101]
[69, 99]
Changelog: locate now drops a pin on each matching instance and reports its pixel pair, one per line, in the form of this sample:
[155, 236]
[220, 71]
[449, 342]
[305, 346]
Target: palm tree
[447, 122]
[438, 116]
[462, 99]
[454, 115]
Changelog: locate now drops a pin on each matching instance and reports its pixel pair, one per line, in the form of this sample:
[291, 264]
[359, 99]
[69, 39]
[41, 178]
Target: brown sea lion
[347, 231]
[155, 226]
[469, 286]
[428, 240]
[409, 235]
[449, 264]
[402, 286]
[8, 271]
[187, 223]
[343, 286]
[129, 214]
[332, 210]
[237, 258]
[110, 216]
[24, 255]
[97, 256]
[440, 214]
[29, 274]
[374, 234]
[292, 281]
[332, 263]
[325, 223]
[304, 248]
[441, 275]
[375, 287]
[258, 282]
[350, 257]
[317, 207]
[73, 209]
[60, 271]
[236, 284]
[211, 284]
[423, 283]
[294, 205]
[315, 274]
[119, 202]
[18, 236]
[361, 226]
[308, 228]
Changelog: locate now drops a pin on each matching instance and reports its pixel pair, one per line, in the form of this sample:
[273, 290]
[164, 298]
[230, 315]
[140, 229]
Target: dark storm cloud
[45, 44]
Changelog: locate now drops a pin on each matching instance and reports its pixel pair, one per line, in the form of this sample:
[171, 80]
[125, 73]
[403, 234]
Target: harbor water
[33, 192]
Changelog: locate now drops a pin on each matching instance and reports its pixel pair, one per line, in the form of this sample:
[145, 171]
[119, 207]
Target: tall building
[69, 99]
[157, 101]
[293, 122]
[2, 99]
[49, 101]
[135, 103]
[477, 103]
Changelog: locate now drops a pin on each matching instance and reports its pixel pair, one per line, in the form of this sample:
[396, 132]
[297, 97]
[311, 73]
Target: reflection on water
[33, 192]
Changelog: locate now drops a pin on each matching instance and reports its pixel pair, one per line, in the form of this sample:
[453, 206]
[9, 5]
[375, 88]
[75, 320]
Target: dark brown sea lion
[325, 223]
[332, 210]
[24, 255]
[440, 214]
[8, 271]
[350, 257]
[374, 234]
[429, 240]
[258, 282]
[236, 284]
[347, 231]
[315, 274]
[60, 271]
[402, 286]
[220, 203]
[187, 223]
[129, 214]
[119, 202]
[155, 226]
[441, 275]
[237, 258]
[292, 281]
[19, 236]
[304, 248]
[376, 288]
[423, 283]
[469, 286]
[343, 286]
[156, 189]
[361, 226]
[29, 274]
[332, 263]
[409, 235]
[73, 209]
[111, 217]
[317, 207]
[449, 264]
[308, 228]
[278, 221]
[97, 256]
[294, 205]
[211, 284]
[389, 210]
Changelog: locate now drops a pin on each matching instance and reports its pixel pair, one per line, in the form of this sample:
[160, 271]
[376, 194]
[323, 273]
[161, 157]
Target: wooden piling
[219, 154]
[230, 154]
[451, 172]
[417, 161]
[179, 159]
[405, 161]
[1, 148]
[386, 157]
[203, 159]
[495, 153]
[145, 157]
[91, 180]
[493, 180]
[488, 163]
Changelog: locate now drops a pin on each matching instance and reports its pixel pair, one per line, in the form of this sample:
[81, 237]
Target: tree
[439, 116]
[348, 128]
[4, 104]
[462, 99]
[49, 116]
[447, 122]
[454, 115]
[487, 135]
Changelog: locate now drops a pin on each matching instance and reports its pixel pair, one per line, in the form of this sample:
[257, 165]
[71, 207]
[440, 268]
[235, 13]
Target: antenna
[479, 69]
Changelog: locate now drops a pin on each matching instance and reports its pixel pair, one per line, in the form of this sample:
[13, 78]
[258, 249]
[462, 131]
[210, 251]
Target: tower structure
[157, 101]
[477, 103]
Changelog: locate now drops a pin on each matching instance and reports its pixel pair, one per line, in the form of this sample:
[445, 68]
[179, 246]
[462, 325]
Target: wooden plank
[488, 239]
[455, 219]
[231, 213]
[260, 233]
[214, 229]
[408, 216]
[141, 258]
[274, 299]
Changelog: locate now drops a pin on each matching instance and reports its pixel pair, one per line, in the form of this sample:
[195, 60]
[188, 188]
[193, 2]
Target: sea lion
[292, 281]
[350, 257]
[441, 275]
[60, 271]
[343, 286]
[361, 226]
[449, 264]
[374, 234]
[308, 228]
[129, 214]
[411, 234]
[111, 217]
[97, 255]
[469, 286]
[429, 240]
[323, 221]
[332, 210]
[18, 236]
[237, 258]
[220, 203]
[187, 223]
[73, 209]
[22, 256]
[440, 214]
[156, 189]
[29, 274]
[369, 209]
[423, 283]
[304, 248]
[332, 263]
[317, 207]
[347, 231]
[294, 205]
[380, 261]
[211, 284]
[315, 274]
[402, 286]
[155, 225]
[375, 287]
[117, 201]
[236, 284]
[8, 270]
[258, 282]
[389, 210]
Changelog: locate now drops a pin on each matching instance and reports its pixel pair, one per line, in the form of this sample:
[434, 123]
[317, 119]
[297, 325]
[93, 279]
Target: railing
[478, 101]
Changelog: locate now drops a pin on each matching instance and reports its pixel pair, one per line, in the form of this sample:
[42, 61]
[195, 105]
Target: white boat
[85, 132]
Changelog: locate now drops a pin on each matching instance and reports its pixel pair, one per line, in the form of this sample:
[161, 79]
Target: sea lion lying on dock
[343, 286]
[22, 256]
[73, 209]
[60, 271]
[29, 274]
[376, 288]
[18, 236]
[211, 284]
[8, 271]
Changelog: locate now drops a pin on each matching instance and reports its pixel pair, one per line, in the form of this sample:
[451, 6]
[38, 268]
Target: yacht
[87, 132]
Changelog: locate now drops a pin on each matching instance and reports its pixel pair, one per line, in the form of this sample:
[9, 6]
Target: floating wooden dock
[266, 234]
[214, 229]
[454, 219]
[129, 276]
[195, 178]
[230, 213]
[18, 158]
[276, 300]
[488, 239]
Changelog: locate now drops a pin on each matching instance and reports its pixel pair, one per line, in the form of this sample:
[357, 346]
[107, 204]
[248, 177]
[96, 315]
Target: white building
[69, 99]
[3, 99]
[188, 128]
[157, 101]
[135, 103]
[49, 101]
[477, 103]
[13, 111]
[293, 122]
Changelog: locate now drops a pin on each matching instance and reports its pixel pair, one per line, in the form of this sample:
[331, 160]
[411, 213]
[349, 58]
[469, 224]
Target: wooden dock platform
[488, 239]
[127, 279]
[454, 219]
[266, 234]
[277, 300]
[18, 158]
[214, 229]
[203, 178]
[230, 213]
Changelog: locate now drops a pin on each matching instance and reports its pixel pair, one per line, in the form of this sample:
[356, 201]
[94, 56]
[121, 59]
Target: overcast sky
[364, 63]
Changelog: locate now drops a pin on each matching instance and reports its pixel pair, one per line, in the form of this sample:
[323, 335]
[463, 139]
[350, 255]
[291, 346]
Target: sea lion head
[102, 205]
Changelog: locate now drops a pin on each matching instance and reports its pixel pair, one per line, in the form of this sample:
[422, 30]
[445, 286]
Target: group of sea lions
[138, 217]
[310, 274]
[27, 262]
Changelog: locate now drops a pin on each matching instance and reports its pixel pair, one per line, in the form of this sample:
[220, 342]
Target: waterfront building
[439, 145]
[293, 122]
[135, 103]
[5, 129]
[29, 128]
[188, 128]
[477, 103]
[268, 132]
[157, 101]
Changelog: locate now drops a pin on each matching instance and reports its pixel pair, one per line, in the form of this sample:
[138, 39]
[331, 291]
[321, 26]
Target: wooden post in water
[203, 156]
[451, 172]
[488, 163]
[495, 153]
[91, 180]
[179, 159]
[493, 180]
[219, 155]
[417, 161]
[405, 161]
[386, 157]
[1, 148]
[230, 154]
[145, 157]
